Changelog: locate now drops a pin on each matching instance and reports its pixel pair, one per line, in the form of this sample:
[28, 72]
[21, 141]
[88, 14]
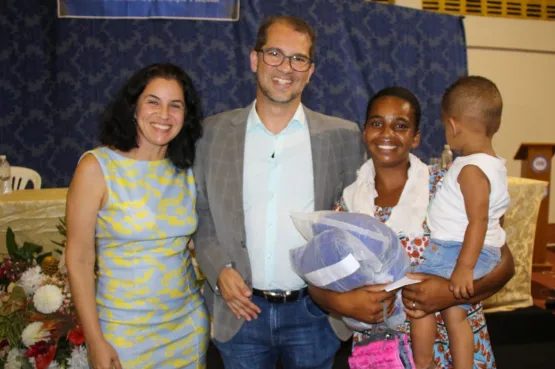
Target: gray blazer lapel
[239, 127]
[320, 147]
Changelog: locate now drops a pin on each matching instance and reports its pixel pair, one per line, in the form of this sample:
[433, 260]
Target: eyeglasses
[275, 57]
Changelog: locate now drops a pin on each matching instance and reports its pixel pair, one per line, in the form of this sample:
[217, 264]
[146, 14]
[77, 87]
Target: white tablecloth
[33, 216]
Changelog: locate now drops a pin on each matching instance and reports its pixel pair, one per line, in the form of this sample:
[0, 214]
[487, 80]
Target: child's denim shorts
[440, 258]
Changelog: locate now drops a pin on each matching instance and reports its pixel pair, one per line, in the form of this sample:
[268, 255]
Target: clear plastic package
[345, 251]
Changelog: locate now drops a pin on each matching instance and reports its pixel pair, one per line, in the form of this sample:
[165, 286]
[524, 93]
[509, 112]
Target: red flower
[418, 241]
[37, 348]
[76, 336]
[43, 353]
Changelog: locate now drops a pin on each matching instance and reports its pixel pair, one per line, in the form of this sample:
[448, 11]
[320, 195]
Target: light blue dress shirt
[278, 179]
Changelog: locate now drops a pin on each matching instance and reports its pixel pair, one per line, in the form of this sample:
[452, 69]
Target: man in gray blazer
[254, 167]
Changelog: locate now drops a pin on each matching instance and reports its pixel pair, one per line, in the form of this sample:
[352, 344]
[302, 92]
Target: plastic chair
[21, 175]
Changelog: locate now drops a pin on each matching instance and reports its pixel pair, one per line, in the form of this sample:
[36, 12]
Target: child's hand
[462, 283]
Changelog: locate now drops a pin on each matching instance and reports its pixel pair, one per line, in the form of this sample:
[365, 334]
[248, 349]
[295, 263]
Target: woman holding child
[396, 187]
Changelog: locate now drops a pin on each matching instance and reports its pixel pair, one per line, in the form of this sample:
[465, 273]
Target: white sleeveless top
[447, 217]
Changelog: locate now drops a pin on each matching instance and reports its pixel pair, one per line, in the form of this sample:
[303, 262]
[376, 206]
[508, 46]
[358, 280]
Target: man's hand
[462, 283]
[365, 303]
[237, 294]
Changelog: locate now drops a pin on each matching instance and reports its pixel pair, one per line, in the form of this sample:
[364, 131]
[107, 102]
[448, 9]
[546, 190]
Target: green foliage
[63, 351]
[10, 242]
[17, 300]
[30, 251]
[27, 252]
[62, 230]
[62, 227]
[13, 316]
[26, 364]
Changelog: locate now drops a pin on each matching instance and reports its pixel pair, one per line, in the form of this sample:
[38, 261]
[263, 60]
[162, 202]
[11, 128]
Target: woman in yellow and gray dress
[131, 210]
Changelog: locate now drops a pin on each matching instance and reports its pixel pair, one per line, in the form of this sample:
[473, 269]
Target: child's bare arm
[475, 189]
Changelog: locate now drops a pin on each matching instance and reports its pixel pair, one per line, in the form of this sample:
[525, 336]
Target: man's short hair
[477, 98]
[298, 24]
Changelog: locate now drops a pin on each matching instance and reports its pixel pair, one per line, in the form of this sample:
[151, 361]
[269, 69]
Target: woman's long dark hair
[119, 130]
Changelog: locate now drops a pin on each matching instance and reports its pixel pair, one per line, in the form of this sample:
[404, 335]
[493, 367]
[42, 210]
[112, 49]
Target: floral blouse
[483, 353]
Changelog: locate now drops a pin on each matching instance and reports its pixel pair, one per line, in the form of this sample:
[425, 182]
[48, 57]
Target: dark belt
[279, 297]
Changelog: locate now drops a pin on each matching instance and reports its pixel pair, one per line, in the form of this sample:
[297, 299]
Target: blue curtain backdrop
[56, 75]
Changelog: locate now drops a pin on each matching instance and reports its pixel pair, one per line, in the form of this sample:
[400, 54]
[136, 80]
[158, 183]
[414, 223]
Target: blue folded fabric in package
[345, 251]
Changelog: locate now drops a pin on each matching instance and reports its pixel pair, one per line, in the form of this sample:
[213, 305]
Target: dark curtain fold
[56, 75]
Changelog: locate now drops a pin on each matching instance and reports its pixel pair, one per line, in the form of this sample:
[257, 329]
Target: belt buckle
[285, 295]
[276, 296]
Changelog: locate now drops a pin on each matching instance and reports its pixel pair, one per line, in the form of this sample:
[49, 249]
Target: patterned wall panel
[56, 75]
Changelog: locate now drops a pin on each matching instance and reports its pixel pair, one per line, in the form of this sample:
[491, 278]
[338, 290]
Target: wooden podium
[536, 164]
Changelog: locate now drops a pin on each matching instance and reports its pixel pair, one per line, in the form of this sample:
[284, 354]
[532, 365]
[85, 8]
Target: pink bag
[388, 349]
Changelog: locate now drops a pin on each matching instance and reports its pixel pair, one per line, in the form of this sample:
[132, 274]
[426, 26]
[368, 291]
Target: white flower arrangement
[48, 299]
[14, 359]
[78, 358]
[34, 333]
[39, 328]
[31, 280]
[53, 365]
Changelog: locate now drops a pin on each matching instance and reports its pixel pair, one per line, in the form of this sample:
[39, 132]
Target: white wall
[519, 56]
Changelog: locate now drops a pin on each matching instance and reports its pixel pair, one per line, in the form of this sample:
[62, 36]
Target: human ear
[454, 126]
[254, 61]
[310, 71]
[415, 140]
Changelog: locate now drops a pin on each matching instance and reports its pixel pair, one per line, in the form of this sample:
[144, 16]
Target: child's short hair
[474, 97]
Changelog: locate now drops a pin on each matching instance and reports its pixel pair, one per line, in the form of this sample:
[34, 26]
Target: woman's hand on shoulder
[103, 356]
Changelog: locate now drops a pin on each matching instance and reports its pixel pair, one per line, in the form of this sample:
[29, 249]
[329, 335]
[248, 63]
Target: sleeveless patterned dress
[148, 300]
[415, 246]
